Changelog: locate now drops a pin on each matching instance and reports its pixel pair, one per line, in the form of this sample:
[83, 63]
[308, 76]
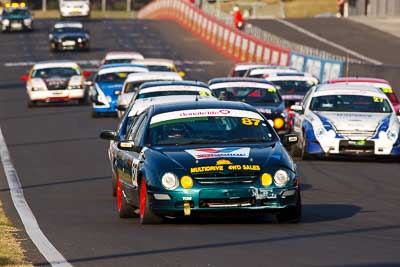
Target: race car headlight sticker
[392, 135]
[170, 181]
[187, 182]
[281, 178]
[266, 179]
[27, 22]
[6, 22]
[278, 123]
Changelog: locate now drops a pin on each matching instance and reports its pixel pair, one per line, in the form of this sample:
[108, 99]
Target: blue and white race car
[345, 119]
[108, 84]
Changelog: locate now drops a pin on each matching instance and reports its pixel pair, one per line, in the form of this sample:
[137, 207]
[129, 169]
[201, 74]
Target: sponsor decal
[225, 152]
[221, 168]
[224, 162]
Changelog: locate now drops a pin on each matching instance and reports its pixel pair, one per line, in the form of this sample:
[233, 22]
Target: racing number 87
[250, 122]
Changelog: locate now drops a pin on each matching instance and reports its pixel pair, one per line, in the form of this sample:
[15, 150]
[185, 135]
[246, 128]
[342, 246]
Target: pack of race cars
[184, 148]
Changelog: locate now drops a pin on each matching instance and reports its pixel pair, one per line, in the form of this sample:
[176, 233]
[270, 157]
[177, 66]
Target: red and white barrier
[231, 42]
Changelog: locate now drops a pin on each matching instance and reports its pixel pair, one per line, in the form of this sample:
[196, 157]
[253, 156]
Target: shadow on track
[235, 244]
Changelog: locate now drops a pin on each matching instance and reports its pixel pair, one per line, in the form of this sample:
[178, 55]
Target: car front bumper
[57, 95]
[220, 200]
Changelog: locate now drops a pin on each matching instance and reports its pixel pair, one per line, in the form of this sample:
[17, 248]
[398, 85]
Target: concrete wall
[378, 8]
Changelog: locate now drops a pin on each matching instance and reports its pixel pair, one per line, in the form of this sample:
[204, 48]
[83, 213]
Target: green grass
[11, 253]
[95, 14]
[309, 8]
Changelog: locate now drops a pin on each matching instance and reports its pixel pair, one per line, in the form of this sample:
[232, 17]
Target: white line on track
[328, 42]
[51, 254]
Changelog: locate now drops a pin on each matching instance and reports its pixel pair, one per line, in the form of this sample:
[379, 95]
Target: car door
[127, 160]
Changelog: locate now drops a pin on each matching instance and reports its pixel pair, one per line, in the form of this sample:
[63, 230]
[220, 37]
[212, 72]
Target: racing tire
[295, 151]
[146, 215]
[125, 210]
[31, 104]
[304, 154]
[291, 214]
[95, 115]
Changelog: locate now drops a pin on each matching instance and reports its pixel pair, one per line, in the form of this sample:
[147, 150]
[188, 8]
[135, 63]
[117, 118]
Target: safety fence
[237, 45]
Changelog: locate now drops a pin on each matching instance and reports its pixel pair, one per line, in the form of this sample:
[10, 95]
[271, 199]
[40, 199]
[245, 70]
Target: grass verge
[96, 14]
[11, 253]
[309, 8]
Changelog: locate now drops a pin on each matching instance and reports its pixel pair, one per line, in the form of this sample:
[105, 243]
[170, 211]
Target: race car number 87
[249, 122]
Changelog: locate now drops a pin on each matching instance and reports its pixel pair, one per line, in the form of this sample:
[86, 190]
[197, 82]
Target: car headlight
[281, 178]
[27, 22]
[392, 135]
[6, 22]
[170, 181]
[278, 123]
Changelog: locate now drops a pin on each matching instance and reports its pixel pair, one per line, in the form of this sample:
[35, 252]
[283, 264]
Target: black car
[69, 36]
[16, 17]
[256, 92]
[197, 157]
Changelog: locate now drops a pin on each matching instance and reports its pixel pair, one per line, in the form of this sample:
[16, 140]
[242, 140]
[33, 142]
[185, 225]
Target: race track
[351, 213]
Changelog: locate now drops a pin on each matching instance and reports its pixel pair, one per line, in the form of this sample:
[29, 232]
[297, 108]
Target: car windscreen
[173, 129]
[55, 72]
[249, 94]
[350, 103]
[118, 60]
[68, 30]
[132, 87]
[161, 68]
[16, 12]
[172, 92]
[239, 73]
[288, 87]
[112, 77]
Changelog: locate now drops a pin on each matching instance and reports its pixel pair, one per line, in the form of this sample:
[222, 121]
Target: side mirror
[289, 139]
[87, 74]
[182, 74]
[109, 135]
[129, 145]
[297, 108]
[121, 108]
[24, 78]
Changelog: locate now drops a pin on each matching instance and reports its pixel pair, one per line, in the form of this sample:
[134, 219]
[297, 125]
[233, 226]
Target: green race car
[198, 157]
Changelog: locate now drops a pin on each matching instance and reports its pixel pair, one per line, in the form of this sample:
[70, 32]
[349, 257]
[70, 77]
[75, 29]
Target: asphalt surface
[350, 208]
[355, 36]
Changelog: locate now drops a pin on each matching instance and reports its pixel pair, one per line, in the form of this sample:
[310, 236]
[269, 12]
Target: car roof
[357, 79]
[131, 68]
[260, 71]
[55, 64]
[154, 61]
[142, 104]
[250, 65]
[206, 104]
[68, 24]
[237, 79]
[174, 83]
[295, 76]
[153, 75]
[332, 89]
[123, 55]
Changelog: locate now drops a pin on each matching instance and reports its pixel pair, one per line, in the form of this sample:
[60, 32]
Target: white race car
[135, 80]
[340, 119]
[55, 81]
[264, 72]
[74, 8]
[121, 57]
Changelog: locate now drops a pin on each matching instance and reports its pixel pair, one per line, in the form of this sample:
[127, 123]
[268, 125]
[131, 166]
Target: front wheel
[304, 154]
[125, 210]
[292, 214]
[146, 215]
[31, 104]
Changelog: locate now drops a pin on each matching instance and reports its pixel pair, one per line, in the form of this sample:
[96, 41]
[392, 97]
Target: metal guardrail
[274, 39]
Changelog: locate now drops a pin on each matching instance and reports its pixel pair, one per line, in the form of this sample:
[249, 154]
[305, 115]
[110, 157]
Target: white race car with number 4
[343, 119]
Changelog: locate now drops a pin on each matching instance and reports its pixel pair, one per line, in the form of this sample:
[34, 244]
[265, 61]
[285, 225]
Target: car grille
[225, 179]
[225, 203]
[350, 147]
[351, 134]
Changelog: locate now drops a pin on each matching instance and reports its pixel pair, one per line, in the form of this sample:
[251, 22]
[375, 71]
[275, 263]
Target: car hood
[110, 88]
[16, 17]
[70, 35]
[349, 121]
[270, 109]
[195, 159]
